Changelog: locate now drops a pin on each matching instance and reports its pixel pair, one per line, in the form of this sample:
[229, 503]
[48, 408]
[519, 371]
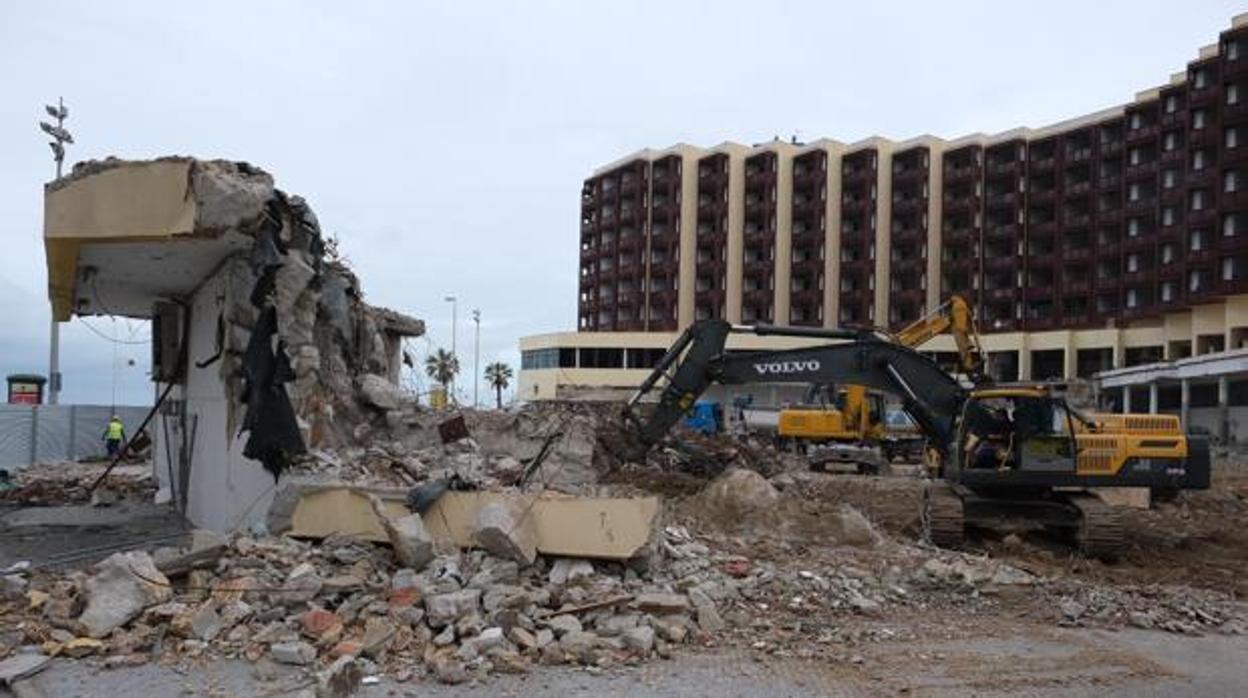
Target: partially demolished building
[263, 346]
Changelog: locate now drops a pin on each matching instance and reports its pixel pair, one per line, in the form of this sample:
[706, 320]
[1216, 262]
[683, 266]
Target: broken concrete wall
[277, 341]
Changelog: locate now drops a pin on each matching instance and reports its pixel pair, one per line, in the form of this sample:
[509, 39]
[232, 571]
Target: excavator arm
[954, 317]
[699, 358]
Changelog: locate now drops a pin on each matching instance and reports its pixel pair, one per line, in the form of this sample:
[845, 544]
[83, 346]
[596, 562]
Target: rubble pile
[1172, 609]
[65, 483]
[450, 617]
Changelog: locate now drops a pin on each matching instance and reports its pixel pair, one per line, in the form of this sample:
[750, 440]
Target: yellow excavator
[847, 425]
[1001, 453]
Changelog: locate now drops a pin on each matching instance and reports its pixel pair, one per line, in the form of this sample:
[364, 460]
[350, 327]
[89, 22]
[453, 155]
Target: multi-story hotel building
[1109, 240]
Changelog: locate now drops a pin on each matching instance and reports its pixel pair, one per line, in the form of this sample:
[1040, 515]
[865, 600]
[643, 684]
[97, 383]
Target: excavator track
[1100, 532]
[943, 521]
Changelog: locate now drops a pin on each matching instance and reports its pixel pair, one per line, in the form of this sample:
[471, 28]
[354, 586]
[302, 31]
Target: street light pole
[454, 321]
[60, 136]
[476, 357]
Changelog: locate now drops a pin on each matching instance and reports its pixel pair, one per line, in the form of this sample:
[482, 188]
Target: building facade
[1114, 239]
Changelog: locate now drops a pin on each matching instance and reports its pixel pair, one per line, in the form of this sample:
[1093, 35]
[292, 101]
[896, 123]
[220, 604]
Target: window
[1167, 215]
[1198, 160]
[1133, 227]
[1200, 78]
[1197, 240]
[1230, 225]
[1193, 281]
[1198, 199]
[1169, 179]
[1133, 192]
[601, 357]
[1198, 118]
[1137, 121]
[1167, 292]
[1232, 94]
[1228, 269]
[1232, 137]
[1132, 298]
[1133, 263]
[1136, 156]
[1167, 254]
[1230, 180]
[1170, 141]
[1172, 104]
[1232, 50]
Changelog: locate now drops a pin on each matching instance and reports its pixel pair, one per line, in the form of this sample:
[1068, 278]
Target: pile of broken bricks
[422, 607]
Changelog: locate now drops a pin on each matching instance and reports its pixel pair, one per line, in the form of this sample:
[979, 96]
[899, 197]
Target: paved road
[1046, 662]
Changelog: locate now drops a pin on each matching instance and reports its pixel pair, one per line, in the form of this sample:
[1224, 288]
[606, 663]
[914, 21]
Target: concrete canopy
[120, 235]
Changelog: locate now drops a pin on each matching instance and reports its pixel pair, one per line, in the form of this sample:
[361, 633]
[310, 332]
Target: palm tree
[499, 376]
[442, 366]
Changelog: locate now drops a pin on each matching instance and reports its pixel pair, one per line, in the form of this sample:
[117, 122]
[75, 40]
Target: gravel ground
[1040, 662]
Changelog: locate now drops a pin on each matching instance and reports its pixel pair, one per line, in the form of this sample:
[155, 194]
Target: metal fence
[32, 434]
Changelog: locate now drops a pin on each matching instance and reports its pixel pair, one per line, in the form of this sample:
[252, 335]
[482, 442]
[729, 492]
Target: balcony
[807, 266]
[1077, 286]
[1037, 324]
[1048, 227]
[862, 205]
[1008, 230]
[909, 234]
[1141, 206]
[910, 204]
[1141, 134]
[957, 236]
[1006, 198]
[1235, 113]
[1009, 167]
[961, 173]
[759, 268]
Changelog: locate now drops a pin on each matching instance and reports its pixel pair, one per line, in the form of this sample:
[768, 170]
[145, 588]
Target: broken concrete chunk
[206, 623]
[566, 570]
[564, 624]
[639, 639]
[413, 547]
[856, 530]
[506, 528]
[449, 670]
[444, 609]
[662, 603]
[522, 638]
[741, 490]
[123, 585]
[378, 634]
[21, 665]
[379, 392]
[302, 585]
[580, 644]
[298, 653]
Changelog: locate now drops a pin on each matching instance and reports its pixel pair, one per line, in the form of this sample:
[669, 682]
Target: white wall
[226, 491]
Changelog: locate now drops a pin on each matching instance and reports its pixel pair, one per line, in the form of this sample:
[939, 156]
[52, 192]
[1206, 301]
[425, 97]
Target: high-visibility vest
[115, 430]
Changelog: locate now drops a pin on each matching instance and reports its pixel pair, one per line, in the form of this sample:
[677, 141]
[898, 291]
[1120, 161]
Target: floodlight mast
[60, 136]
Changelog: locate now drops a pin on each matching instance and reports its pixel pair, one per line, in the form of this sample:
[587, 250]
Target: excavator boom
[700, 357]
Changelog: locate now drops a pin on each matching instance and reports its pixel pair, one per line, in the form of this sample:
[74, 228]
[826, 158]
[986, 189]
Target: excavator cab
[1018, 429]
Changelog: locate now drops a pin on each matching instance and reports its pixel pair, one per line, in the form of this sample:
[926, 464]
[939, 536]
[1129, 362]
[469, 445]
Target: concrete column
[1024, 362]
[1224, 390]
[1152, 397]
[1126, 399]
[1185, 402]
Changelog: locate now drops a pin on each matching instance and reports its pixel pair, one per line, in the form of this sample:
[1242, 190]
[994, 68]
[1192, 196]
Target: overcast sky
[445, 143]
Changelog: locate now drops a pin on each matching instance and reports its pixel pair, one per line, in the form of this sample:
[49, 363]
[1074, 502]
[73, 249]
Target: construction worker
[114, 434]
